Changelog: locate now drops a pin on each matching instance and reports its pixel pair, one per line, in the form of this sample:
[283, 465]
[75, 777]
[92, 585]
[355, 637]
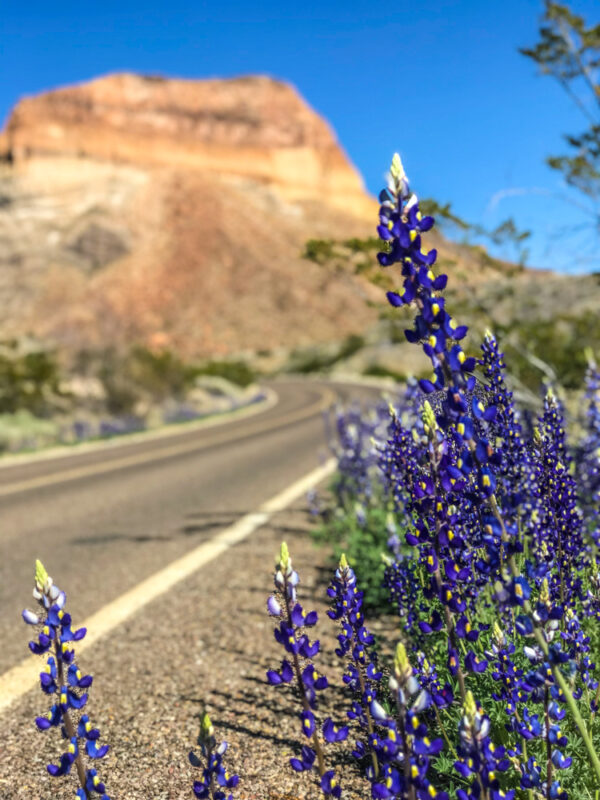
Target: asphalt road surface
[103, 521]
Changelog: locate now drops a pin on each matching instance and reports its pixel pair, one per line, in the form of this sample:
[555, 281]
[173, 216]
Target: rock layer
[253, 127]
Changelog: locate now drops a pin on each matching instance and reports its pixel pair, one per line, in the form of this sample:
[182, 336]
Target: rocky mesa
[254, 127]
[173, 213]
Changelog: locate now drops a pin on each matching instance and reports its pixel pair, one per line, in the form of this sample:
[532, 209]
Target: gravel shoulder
[205, 646]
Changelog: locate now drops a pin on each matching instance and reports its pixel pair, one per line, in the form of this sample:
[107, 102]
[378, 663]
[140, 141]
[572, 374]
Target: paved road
[101, 522]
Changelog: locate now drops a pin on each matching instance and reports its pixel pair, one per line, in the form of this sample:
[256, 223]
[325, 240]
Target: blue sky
[441, 82]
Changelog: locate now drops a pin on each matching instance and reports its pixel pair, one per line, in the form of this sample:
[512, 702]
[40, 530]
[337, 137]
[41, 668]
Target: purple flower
[62, 678]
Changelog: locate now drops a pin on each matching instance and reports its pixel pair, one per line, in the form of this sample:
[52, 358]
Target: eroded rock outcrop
[173, 213]
[253, 127]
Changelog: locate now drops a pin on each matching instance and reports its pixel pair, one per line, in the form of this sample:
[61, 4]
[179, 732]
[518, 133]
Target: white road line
[15, 682]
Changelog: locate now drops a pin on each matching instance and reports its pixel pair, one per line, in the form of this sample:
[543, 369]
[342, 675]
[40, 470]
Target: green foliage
[160, 373]
[372, 244]
[318, 250]
[315, 361]
[557, 342]
[237, 372]
[442, 213]
[379, 371]
[569, 51]
[144, 374]
[504, 234]
[23, 431]
[363, 546]
[352, 344]
[141, 374]
[28, 381]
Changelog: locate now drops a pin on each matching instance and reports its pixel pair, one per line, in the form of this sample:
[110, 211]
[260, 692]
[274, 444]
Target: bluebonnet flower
[401, 581]
[356, 648]
[511, 688]
[403, 747]
[473, 491]
[62, 679]
[298, 667]
[491, 518]
[513, 456]
[479, 757]
[588, 451]
[216, 780]
[560, 538]
[352, 445]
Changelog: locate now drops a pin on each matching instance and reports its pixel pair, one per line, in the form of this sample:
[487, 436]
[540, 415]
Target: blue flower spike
[298, 670]
[62, 679]
[216, 779]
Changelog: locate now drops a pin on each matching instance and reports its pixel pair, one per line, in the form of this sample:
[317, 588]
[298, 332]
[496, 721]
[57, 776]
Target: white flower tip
[397, 168]
[377, 710]
[30, 617]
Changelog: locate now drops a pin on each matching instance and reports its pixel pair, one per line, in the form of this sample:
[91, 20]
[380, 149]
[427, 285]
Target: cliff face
[173, 213]
[253, 127]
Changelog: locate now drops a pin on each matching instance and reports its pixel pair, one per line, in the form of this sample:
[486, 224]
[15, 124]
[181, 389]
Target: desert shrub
[29, 381]
[237, 372]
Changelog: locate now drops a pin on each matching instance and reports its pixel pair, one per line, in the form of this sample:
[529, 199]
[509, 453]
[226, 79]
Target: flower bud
[29, 617]
[285, 562]
[41, 576]
[273, 606]
[207, 727]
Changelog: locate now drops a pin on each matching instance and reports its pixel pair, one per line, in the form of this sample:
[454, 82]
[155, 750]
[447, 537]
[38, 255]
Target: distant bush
[237, 372]
[163, 374]
[557, 342]
[315, 361]
[140, 374]
[318, 250]
[28, 381]
[379, 371]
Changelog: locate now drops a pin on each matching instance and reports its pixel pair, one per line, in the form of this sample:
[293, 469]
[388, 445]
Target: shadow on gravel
[192, 530]
[269, 737]
[103, 538]
[247, 659]
[293, 531]
[259, 700]
[229, 516]
[220, 708]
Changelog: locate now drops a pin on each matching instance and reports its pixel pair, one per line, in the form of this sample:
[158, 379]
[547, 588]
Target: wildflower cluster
[477, 493]
[493, 694]
[64, 682]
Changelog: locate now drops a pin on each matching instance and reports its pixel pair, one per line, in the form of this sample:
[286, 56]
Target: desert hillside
[173, 213]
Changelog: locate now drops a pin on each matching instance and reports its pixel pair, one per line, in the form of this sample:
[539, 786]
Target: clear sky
[441, 82]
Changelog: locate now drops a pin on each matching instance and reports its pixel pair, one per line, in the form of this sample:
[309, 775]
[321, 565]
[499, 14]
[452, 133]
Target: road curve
[104, 521]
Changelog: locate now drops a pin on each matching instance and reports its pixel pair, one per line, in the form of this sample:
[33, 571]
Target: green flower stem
[315, 739]
[405, 750]
[444, 732]
[361, 680]
[69, 727]
[548, 744]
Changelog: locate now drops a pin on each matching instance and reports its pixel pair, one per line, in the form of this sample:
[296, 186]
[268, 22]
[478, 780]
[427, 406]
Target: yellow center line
[76, 473]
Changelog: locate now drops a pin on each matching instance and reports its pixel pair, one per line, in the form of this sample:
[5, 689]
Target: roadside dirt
[205, 646]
